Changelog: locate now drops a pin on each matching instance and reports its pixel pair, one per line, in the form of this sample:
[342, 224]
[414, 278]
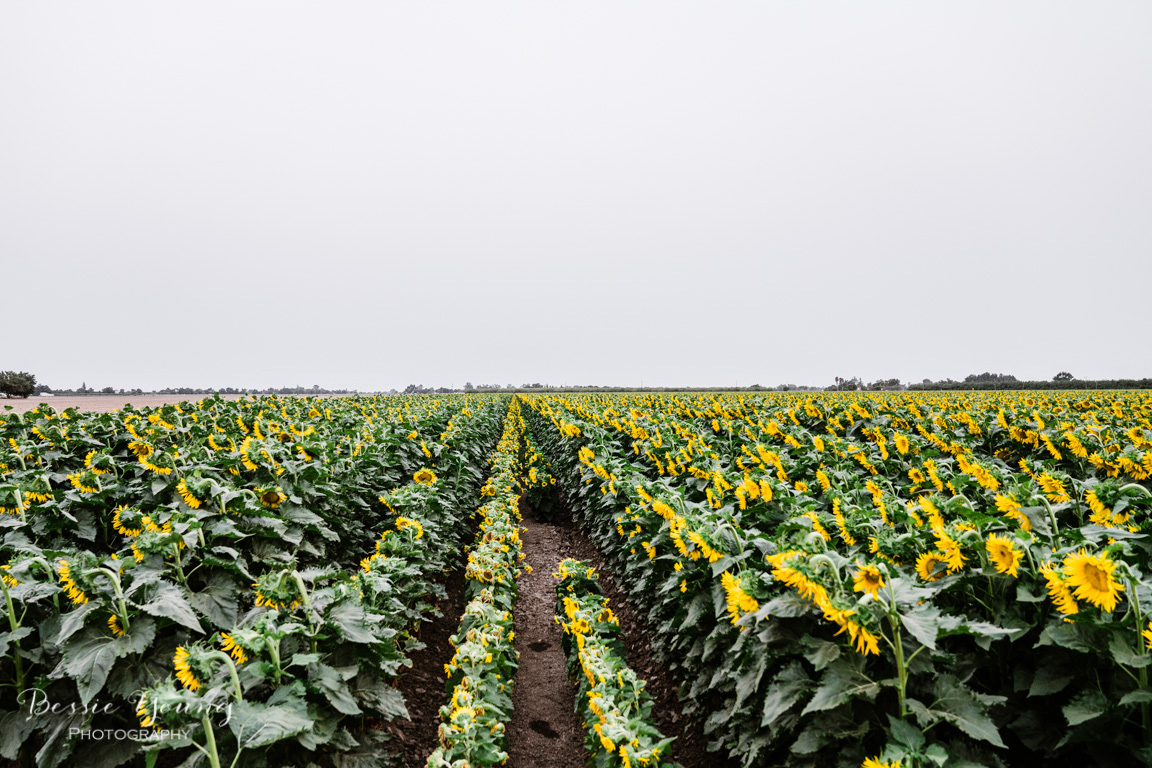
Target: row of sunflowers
[233, 582]
[480, 673]
[616, 710]
[873, 579]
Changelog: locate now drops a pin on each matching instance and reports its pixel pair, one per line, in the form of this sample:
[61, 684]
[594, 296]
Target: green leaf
[839, 685]
[352, 621]
[258, 725]
[820, 653]
[905, 733]
[332, 685]
[89, 657]
[14, 729]
[1138, 696]
[1087, 706]
[375, 692]
[1050, 679]
[957, 704]
[786, 689]
[73, 621]
[923, 623]
[219, 601]
[13, 637]
[1123, 654]
[168, 601]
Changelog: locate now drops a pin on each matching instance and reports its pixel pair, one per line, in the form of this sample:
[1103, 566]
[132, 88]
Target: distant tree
[986, 376]
[13, 384]
[108, 391]
[848, 385]
[1063, 376]
[468, 386]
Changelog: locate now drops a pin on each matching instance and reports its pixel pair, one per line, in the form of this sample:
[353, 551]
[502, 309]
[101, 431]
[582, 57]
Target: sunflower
[875, 762]
[1059, 590]
[1091, 578]
[187, 495]
[124, 527]
[271, 497]
[1148, 636]
[868, 579]
[1012, 510]
[71, 588]
[929, 566]
[404, 522]
[902, 443]
[738, 600]
[950, 552]
[183, 670]
[142, 712]
[1003, 553]
[229, 644]
[425, 476]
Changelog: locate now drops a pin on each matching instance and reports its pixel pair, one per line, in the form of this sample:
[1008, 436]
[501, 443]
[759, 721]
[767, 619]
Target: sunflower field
[230, 583]
[881, 579]
[885, 580]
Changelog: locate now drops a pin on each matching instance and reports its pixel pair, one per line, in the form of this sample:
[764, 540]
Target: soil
[424, 686]
[545, 730]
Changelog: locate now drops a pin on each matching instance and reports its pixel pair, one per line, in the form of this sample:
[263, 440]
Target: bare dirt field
[99, 403]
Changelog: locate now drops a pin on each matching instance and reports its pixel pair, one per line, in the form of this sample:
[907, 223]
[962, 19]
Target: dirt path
[424, 685]
[544, 731]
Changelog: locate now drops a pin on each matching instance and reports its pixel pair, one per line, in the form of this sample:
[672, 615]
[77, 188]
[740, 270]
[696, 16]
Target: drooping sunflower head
[1092, 578]
[188, 664]
[1003, 554]
[930, 566]
[425, 476]
[271, 497]
[277, 590]
[240, 642]
[868, 579]
[72, 582]
[99, 462]
[127, 521]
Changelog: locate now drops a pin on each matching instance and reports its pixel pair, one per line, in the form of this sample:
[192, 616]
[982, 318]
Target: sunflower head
[425, 476]
[868, 579]
[277, 590]
[1003, 554]
[271, 497]
[930, 566]
[191, 666]
[1092, 578]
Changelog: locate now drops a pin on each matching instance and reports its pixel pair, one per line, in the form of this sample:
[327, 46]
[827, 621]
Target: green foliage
[13, 384]
[782, 547]
[230, 542]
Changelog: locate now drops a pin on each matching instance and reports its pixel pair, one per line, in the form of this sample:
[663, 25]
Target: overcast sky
[373, 194]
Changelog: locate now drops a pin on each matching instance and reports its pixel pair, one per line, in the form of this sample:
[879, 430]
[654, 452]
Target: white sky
[375, 194]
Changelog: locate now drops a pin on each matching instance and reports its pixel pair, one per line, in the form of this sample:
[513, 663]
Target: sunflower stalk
[209, 749]
[14, 624]
[121, 606]
[302, 588]
[898, 649]
[1141, 649]
[237, 691]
